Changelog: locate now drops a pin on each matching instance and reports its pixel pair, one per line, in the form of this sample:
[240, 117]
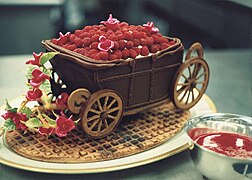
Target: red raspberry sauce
[229, 144]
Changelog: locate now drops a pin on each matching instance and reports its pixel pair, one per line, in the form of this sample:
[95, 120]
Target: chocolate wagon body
[104, 91]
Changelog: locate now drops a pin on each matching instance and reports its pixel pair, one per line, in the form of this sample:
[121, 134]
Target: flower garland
[49, 116]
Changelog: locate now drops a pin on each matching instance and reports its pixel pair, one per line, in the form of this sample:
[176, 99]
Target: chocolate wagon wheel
[76, 98]
[190, 83]
[101, 113]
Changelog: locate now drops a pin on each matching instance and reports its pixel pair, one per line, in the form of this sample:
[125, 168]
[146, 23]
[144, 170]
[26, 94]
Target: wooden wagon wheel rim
[101, 113]
[190, 83]
[76, 98]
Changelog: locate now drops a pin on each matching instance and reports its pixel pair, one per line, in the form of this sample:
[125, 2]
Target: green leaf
[33, 123]
[46, 87]
[9, 108]
[29, 71]
[9, 125]
[26, 110]
[46, 71]
[47, 56]
[50, 120]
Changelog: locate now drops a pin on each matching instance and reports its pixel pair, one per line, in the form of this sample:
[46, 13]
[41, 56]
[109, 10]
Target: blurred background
[224, 27]
[217, 24]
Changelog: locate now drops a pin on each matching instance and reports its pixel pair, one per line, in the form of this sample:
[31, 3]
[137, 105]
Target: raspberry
[154, 48]
[172, 42]
[133, 53]
[122, 44]
[87, 28]
[116, 45]
[110, 32]
[149, 41]
[103, 55]
[118, 54]
[82, 51]
[95, 38]
[92, 53]
[145, 51]
[120, 36]
[165, 40]
[128, 36]
[142, 35]
[54, 41]
[72, 37]
[157, 38]
[94, 45]
[143, 42]
[164, 46]
[123, 24]
[136, 35]
[77, 32]
[86, 41]
[97, 56]
[112, 57]
[125, 53]
[138, 51]
[71, 47]
[129, 44]
[83, 35]
[65, 46]
[136, 42]
[78, 42]
[112, 37]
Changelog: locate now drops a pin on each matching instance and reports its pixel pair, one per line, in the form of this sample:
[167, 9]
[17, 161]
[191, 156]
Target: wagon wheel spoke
[99, 126]
[183, 84]
[106, 123]
[184, 76]
[193, 96]
[111, 103]
[188, 96]
[93, 118]
[105, 102]
[95, 111]
[112, 110]
[189, 71]
[185, 92]
[111, 117]
[94, 123]
[199, 76]
[181, 90]
[99, 105]
[196, 70]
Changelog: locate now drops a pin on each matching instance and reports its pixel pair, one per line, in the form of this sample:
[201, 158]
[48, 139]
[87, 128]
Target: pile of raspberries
[123, 41]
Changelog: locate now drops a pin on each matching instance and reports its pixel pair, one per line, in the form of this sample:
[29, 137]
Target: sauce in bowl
[227, 143]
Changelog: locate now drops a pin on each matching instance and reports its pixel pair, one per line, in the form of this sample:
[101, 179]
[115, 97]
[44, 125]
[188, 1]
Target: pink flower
[64, 125]
[8, 115]
[63, 38]
[36, 59]
[34, 95]
[111, 23]
[149, 27]
[46, 131]
[105, 44]
[17, 121]
[38, 78]
[62, 100]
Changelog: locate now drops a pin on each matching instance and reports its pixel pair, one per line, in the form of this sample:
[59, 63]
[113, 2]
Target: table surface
[229, 87]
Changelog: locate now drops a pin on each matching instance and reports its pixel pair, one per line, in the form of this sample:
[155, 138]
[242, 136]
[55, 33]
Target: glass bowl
[214, 165]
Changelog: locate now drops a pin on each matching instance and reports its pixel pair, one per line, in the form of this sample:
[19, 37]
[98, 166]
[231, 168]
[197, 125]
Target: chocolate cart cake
[100, 75]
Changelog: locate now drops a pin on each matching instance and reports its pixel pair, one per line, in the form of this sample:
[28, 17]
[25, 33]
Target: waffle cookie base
[135, 134]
